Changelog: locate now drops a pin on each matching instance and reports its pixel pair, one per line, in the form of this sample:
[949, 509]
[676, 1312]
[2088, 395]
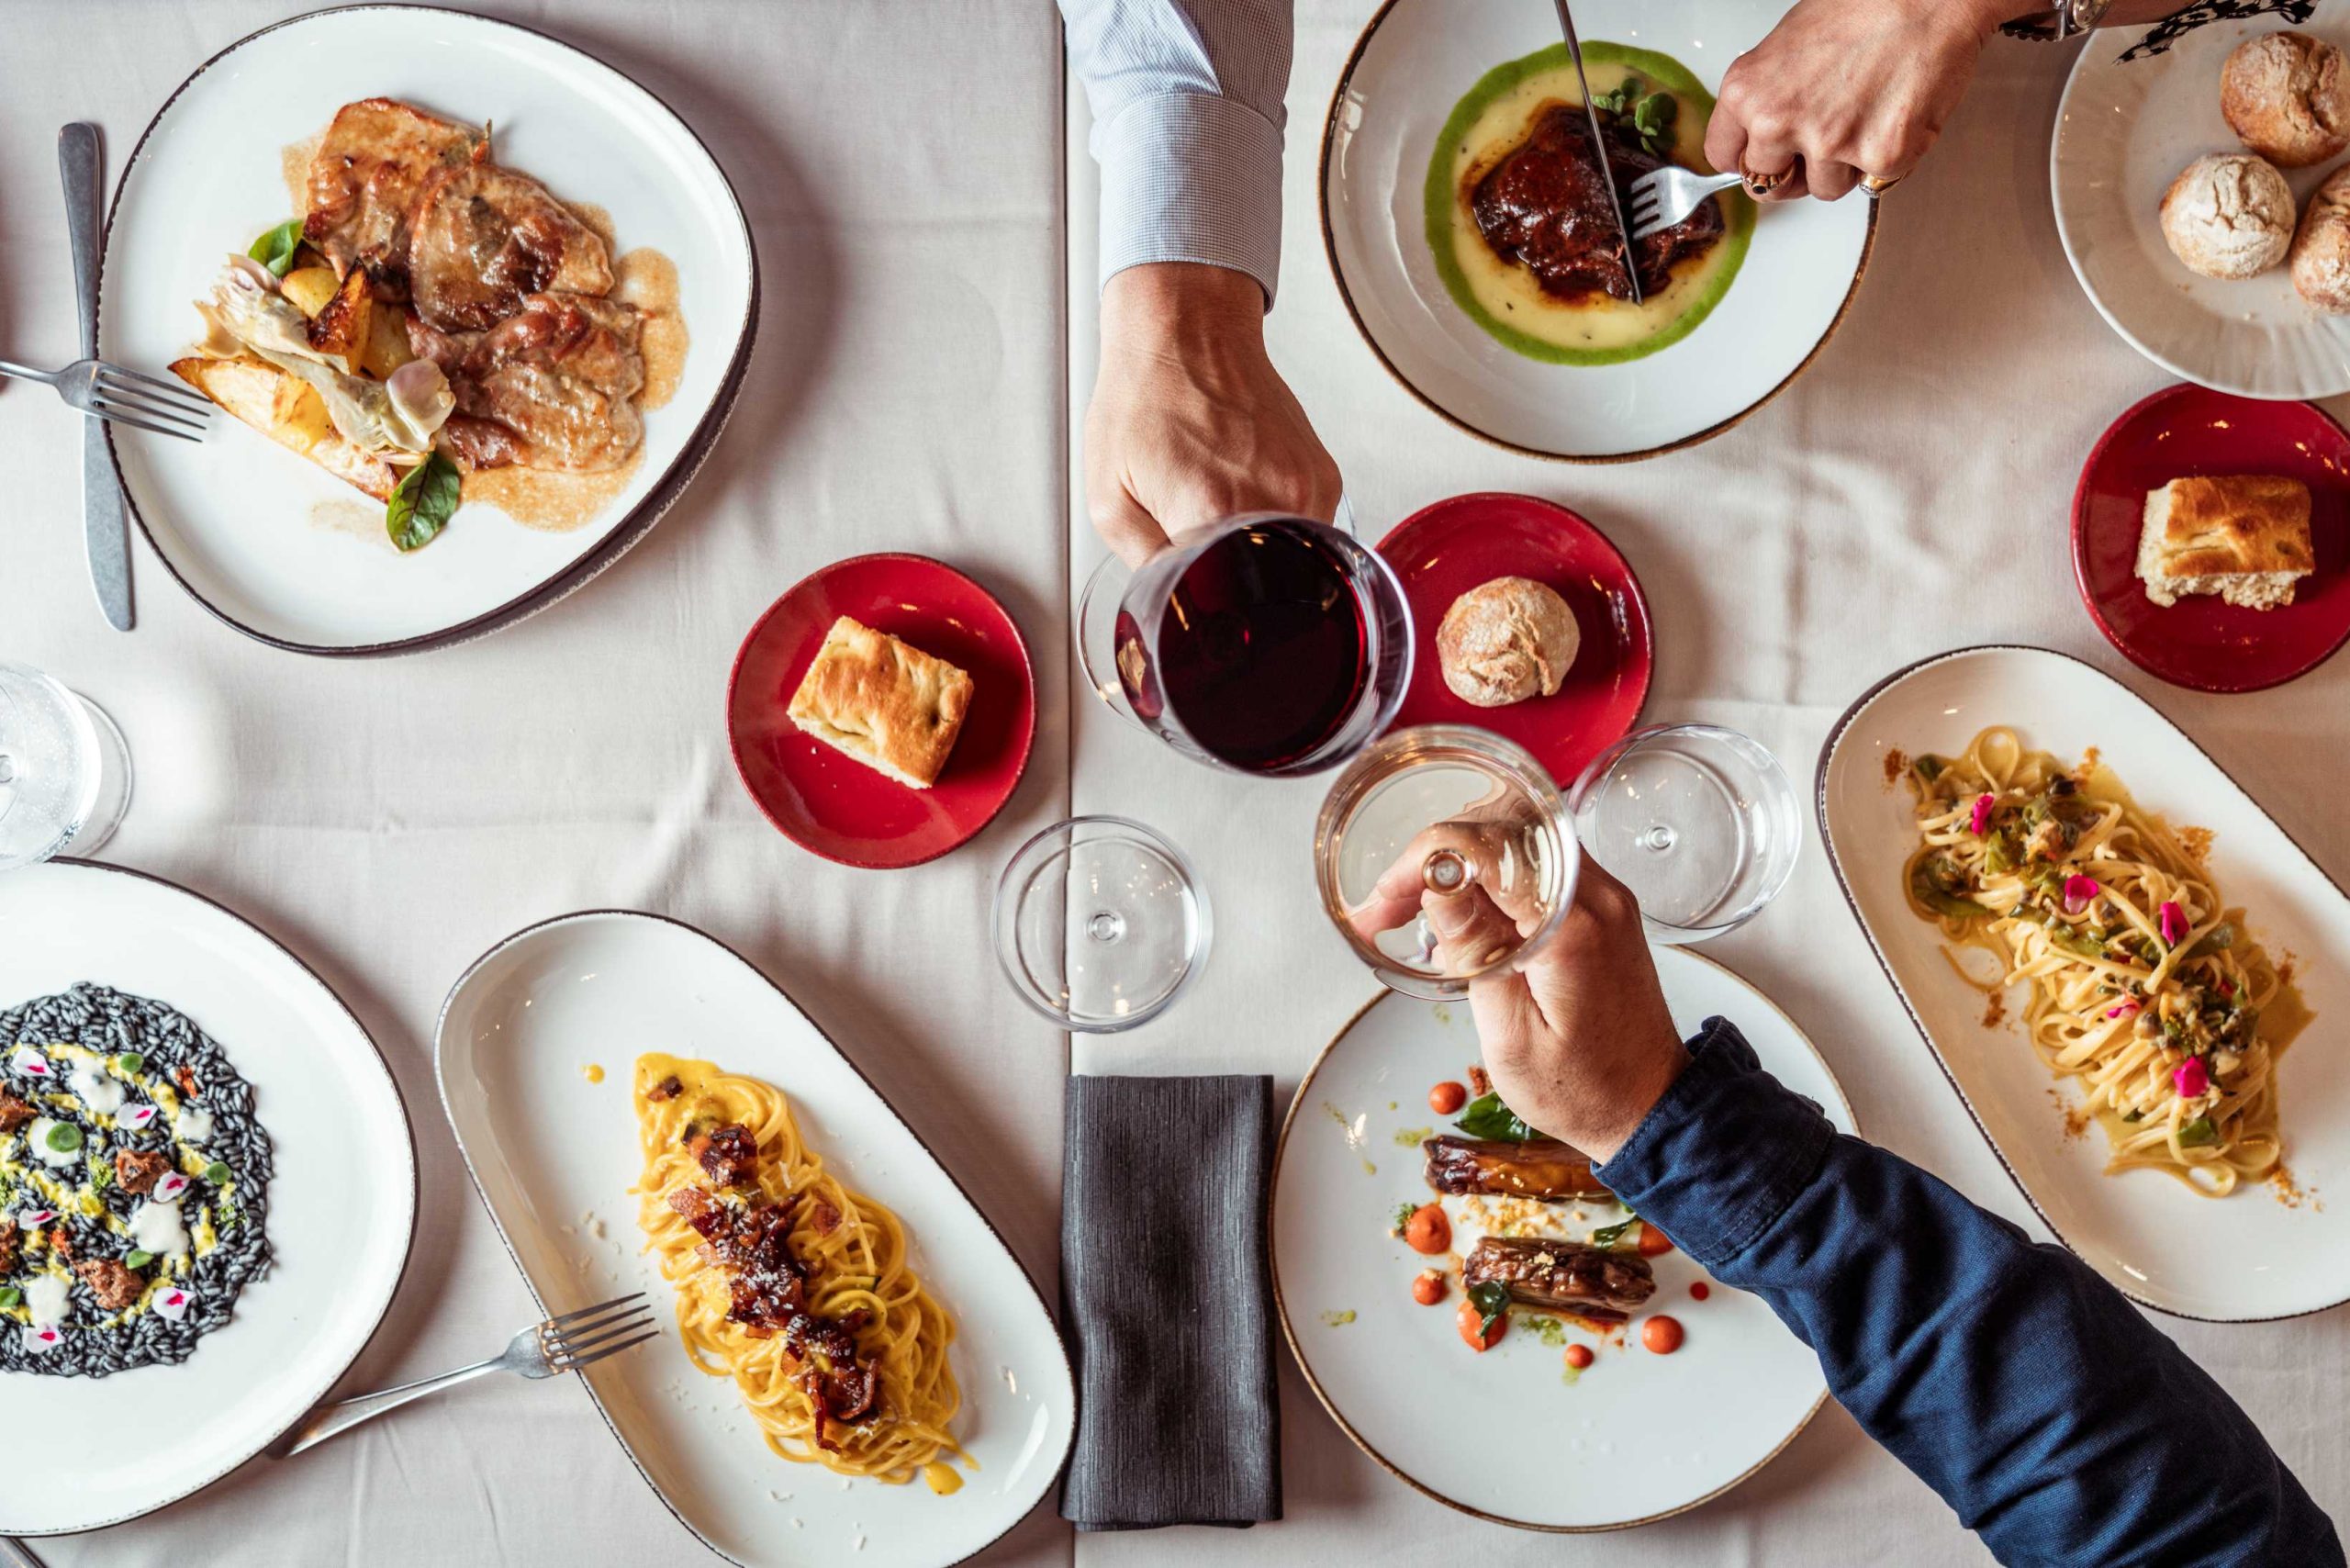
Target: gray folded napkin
[1167, 1296]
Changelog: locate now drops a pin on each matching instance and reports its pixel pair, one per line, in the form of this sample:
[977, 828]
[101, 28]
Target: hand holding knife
[1599, 149]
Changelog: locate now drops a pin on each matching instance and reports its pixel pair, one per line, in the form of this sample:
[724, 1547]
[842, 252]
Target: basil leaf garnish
[423, 502]
[1609, 1234]
[1491, 1301]
[10, 1298]
[2198, 1132]
[1486, 1118]
[276, 249]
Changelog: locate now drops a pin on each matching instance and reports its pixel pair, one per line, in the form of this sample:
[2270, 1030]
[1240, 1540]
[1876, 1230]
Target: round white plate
[2239, 1258]
[1412, 65]
[2125, 130]
[269, 542]
[342, 1199]
[1635, 1437]
[554, 1157]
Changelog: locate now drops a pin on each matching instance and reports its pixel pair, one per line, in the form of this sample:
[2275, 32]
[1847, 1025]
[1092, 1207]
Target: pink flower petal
[172, 1304]
[2193, 1080]
[136, 1116]
[2080, 893]
[2174, 923]
[2123, 1010]
[169, 1186]
[39, 1339]
[31, 1063]
[1980, 823]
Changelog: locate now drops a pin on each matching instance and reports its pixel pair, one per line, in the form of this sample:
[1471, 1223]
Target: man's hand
[1580, 1043]
[1190, 422]
[1850, 87]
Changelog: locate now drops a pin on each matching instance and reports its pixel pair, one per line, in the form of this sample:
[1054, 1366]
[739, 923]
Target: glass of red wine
[1266, 645]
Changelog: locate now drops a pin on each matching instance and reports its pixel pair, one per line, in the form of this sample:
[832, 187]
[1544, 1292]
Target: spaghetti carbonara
[2143, 987]
[790, 1284]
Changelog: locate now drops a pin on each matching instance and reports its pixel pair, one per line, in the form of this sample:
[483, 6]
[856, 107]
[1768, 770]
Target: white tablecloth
[902, 165]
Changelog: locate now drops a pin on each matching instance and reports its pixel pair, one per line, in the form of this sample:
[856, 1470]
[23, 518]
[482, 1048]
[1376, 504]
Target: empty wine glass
[1698, 822]
[1100, 924]
[64, 770]
[1265, 643]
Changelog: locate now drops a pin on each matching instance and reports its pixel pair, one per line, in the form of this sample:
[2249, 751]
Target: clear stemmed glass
[64, 770]
[1700, 822]
[1100, 924]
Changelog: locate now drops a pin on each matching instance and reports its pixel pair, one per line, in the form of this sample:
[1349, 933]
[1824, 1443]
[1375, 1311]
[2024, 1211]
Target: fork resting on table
[124, 396]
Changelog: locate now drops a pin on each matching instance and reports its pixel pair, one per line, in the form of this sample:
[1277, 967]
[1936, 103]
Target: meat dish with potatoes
[1543, 1169]
[1544, 207]
[1565, 1276]
[433, 313]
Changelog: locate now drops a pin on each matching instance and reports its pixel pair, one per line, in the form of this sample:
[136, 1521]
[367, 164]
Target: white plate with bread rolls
[2203, 192]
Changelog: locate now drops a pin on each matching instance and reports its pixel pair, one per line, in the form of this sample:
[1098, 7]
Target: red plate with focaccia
[836, 806]
[1443, 551]
[2202, 642]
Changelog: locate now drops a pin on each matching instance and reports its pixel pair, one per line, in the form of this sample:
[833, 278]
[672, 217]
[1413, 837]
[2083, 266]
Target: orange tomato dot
[1427, 1287]
[1700, 1291]
[1662, 1334]
[1653, 1242]
[1427, 1231]
[1469, 1317]
[1447, 1097]
[1578, 1356]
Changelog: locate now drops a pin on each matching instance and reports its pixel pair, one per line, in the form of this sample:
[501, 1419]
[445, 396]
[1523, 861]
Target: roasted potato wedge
[310, 287]
[388, 347]
[340, 328]
[289, 412]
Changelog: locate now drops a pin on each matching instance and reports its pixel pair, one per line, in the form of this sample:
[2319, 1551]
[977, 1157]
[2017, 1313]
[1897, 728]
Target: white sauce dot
[158, 1228]
[99, 1092]
[194, 1124]
[45, 1296]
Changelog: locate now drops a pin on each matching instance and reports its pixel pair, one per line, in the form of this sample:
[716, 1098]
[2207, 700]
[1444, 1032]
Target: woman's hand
[1190, 423]
[1843, 88]
[1580, 1043]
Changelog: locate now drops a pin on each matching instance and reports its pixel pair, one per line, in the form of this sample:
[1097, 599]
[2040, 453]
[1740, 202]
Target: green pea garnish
[137, 1260]
[129, 1063]
[218, 1173]
[64, 1139]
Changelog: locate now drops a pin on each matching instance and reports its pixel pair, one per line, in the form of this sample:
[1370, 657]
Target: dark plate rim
[2219, 685]
[441, 1083]
[617, 539]
[1027, 738]
[1354, 313]
[1827, 748]
[415, 1199]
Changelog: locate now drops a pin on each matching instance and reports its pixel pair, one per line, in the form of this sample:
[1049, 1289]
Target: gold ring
[1877, 185]
[1761, 185]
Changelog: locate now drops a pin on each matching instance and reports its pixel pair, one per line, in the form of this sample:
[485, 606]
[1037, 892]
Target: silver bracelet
[2070, 18]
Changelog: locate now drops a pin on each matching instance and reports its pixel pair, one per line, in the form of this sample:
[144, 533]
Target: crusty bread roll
[2287, 97]
[2229, 214]
[1506, 640]
[2322, 245]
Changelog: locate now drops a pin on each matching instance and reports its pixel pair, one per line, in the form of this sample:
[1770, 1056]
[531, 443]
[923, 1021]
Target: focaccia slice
[2245, 537]
[883, 702]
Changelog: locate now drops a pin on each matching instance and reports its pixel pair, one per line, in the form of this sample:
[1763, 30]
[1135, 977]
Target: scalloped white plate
[554, 1156]
[1635, 1437]
[2239, 1258]
[2123, 132]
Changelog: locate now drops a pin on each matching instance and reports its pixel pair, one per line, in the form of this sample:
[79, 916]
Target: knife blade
[106, 532]
[1599, 147]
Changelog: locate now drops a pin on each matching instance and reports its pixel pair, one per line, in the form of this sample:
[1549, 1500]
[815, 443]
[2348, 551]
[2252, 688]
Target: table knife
[1599, 148]
[105, 529]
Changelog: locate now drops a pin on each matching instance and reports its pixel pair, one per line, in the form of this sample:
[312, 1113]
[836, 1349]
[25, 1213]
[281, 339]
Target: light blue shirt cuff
[1190, 177]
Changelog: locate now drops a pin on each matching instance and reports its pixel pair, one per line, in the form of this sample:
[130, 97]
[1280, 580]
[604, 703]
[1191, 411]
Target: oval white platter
[1636, 1437]
[2125, 130]
[269, 542]
[2238, 1259]
[554, 1157]
[342, 1199]
[1413, 63]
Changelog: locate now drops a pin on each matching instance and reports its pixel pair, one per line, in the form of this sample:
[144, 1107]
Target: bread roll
[2287, 97]
[2229, 214]
[2322, 245]
[1506, 640]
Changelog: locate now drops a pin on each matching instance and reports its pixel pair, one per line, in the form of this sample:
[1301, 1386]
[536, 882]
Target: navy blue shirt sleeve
[2028, 1393]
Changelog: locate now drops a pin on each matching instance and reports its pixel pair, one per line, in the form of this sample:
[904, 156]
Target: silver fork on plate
[564, 1343]
[1663, 198]
[125, 396]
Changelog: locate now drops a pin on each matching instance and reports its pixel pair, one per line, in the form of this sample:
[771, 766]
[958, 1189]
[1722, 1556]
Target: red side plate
[835, 806]
[1445, 550]
[2202, 641]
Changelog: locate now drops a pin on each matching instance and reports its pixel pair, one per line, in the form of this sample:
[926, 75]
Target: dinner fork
[1663, 198]
[124, 396]
[564, 1343]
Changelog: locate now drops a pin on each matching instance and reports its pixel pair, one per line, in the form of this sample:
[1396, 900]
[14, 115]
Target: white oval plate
[2232, 1259]
[233, 517]
[1412, 65]
[555, 1155]
[2123, 132]
[1638, 1436]
[341, 1198]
